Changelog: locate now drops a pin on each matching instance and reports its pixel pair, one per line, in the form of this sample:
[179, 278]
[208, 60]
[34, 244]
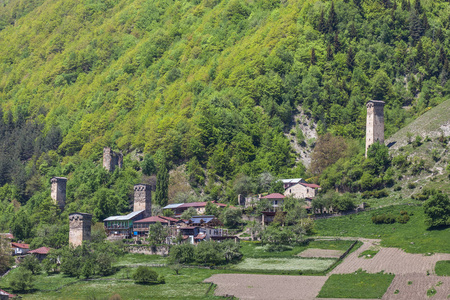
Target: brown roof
[42, 250]
[152, 219]
[7, 235]
[274, 196]
[169, 219]
[200, 236]
[311, 185]
[6, 293]
[20, 245]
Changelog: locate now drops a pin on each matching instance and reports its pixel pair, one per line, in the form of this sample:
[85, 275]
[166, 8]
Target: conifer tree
[332, 19]
[162, 185]
[442, 56]
[443, 77]
[357, 3]
[404, 5]
[420, 53]
[418, 7]
[313, 57]
[352, 31]
[321, 24]
[439, 35]
[415, 26]
[329, 53]
[336, 43]
[350, 58]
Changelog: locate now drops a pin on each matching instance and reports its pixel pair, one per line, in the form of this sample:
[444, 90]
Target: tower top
[375, 103]
[56, 179]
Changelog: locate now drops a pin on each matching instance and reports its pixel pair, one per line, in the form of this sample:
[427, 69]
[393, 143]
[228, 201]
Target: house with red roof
[19, 248]
[200, 207]
[276, 199]
[40, 253]
[6, 295]
[141, 227]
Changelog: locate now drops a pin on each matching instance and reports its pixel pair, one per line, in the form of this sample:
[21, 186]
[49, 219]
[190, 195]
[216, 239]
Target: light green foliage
[285, 264]
[21, 280]
[145, 275]
[162, 186]
[443, 268]
[157, 234]
[31, 263]
[188, 213]
[231, 217]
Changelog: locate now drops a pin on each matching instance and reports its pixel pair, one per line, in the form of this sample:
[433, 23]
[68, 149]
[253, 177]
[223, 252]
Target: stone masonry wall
[143, 199]
[375, 123]
[79, 228]
[58, 191]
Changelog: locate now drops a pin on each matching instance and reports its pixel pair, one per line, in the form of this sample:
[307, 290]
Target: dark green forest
[212, 85]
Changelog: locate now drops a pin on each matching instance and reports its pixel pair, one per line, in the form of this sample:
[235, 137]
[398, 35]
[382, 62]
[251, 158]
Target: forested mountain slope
[212, 84]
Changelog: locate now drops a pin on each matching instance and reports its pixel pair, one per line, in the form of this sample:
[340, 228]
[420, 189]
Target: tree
[145, 275]
[21, 280]
[321, 24]
[327, 151]
[415, 26]
[88, 268]
[437, 210]
[157, 234]
[350, 58]
[148, 165]
[329, 53]
[211, 209]
[336, 43]
[176, 267]
[379, 152]
[5, 255]
[332, 19]
[313, 59]
[183, 253]
[277, 186]
[31, 263]
[381, 86]
[294, 210]
[209, 253]
[231, 217]
[188, 213]
[21, 226]
[162, 186]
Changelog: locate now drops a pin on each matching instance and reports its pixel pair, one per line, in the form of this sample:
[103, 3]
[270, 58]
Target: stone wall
[374, 123]
[58, 191]
[150, 250]
[79, 228]
[300, 191]
[111, 159]
[143, 199]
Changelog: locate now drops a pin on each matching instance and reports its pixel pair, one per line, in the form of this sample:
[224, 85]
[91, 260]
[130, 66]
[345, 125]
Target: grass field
[256, 250]
[286, 264]
[188, 285]
[140, 259]
[443, 268]
[413, 237]
[356, 285]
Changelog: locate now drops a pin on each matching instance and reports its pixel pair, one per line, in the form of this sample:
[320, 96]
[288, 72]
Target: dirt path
[250, 286]
[415, 286]
[389, 260]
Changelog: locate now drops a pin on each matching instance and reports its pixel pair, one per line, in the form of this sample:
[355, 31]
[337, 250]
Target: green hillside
[209, 87]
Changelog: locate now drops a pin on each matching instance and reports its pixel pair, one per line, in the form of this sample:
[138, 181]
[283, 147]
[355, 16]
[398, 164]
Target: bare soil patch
[389, 260]
[312, 252]
[250, 286]
[415, 286]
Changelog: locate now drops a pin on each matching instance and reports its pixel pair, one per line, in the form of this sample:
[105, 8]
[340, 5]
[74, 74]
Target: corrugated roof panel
[124, 218]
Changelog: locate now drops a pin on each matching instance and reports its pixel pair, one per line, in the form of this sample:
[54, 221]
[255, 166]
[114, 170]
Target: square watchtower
[111, 159]
[79, 228]
[58, 192]
[375, 122]
[143, 199]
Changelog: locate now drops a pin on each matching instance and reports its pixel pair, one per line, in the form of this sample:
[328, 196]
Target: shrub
[145, 275]
[31, 263]
[397, 188]
[411, 185]
[403, 219]
[21, 280]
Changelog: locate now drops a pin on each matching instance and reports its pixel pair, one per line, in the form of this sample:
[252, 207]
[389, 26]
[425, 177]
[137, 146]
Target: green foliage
[157, 234]
[31, 263]
[205, 253]
[21, 280]
[145, 275]
[162, 186]
[231, 217]
[437, 210]
[188, 213]
[443, 268]
[148, 165]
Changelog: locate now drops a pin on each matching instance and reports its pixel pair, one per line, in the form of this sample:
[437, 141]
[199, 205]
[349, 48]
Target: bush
[411, 185]
[145, 275]
[31, 263]
[21, 280]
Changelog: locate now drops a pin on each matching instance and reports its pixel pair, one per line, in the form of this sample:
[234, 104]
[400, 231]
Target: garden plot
[324, 253]
[418, 286]
[250, 286]
[286, 264]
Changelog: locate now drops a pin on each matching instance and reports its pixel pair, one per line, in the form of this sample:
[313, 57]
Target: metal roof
[124, 218]
[206, 219]
[292, 180]
[174, 205]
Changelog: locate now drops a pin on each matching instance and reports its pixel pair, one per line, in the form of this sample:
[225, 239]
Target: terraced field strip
[324, 253]
[286, 264]
[249, 286]
[389, 260]
[415, 286]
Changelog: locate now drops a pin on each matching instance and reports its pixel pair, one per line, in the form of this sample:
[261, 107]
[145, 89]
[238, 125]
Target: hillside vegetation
[212, 85]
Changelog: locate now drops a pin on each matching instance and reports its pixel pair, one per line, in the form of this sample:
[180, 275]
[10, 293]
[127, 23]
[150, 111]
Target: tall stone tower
[111, 159]
[79, 228]
[58, 192]
[143, 199]
[375, 123]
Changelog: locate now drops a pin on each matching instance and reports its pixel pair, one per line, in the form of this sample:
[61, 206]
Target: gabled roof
[274, 196]
[42, 250]
[7, 235]
[292, 180]
[169, 219]
[311, 185]
[193, 204]
[174, 205]
[124, 218]
[153, 219]
[20, 245]
[202, 219]
[2, 292]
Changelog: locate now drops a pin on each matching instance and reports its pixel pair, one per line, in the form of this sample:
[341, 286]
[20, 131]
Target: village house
[204, 221]
[5, 295]
[200, 207]
[290, 182]
[19, 248]
[276, 200]
[122, 226]
[302, 190]
[141, 227]
[40, 253]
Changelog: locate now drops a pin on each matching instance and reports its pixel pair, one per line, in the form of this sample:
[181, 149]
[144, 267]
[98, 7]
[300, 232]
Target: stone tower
[375, 122]
[79, 228]
[111, 159]
[143, 199]
[58, 192]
